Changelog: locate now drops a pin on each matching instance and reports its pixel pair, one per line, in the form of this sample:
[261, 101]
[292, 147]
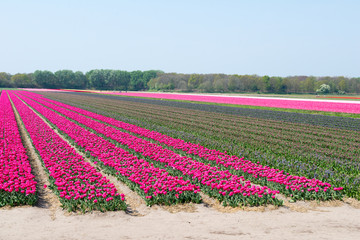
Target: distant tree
[96, 79]
[309, 85]
[81, 81]
[45, 79]
[343, 85]
[5, 79]
[136, 81]
[220, 83]
[65, 79]
[324, 88]
[292, 84]
[206, 86]
[148, 75]
[275, 85]
[234, 83]
[325, 80]
[120, 80]
[194, 81]
[22, 80]
[181, 81]
[244, 82]
[354, 85]
[266, 87]
[107, 79]
[255, 83]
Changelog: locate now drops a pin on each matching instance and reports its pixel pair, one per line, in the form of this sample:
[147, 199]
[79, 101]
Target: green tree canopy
[22, 80]
[45, 79]
[65, 78]
[5, 79]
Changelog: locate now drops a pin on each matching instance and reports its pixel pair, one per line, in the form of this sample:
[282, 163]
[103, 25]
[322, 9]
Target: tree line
[101, 79]
[105, 79]
[252, 83]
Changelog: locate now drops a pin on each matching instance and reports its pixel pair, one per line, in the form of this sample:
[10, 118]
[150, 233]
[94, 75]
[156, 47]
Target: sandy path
[341, 222]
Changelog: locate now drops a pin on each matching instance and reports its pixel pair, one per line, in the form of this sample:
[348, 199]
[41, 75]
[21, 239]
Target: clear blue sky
[264, 37]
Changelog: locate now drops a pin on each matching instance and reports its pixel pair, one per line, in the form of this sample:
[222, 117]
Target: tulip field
[170, 153]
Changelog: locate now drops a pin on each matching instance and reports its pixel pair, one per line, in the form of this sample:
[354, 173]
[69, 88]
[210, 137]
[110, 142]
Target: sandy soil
[189, 222]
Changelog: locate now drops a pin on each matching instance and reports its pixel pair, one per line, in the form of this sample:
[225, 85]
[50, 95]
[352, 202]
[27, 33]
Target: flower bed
[17, 183]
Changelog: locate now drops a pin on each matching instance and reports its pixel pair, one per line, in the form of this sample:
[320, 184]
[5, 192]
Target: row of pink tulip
[17, 183]
[304, 104]
[155, 185]
[78, 185]
[296, 186]
[227, 187]
[313, 105]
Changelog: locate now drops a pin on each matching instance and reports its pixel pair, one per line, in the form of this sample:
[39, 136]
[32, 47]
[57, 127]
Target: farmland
[173, 154]
[311, 149]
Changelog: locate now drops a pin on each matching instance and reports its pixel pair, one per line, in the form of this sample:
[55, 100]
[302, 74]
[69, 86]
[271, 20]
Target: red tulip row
[155, 185]
[17, 183]
[227, 187]
[295, 186]
[78, 184]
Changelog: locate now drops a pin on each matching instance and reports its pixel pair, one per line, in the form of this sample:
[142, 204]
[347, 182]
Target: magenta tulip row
[15, 170]
[226, 184]
[290, 184]
[305, 104]
[314, 105]
[155, 185]
[78, 184]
